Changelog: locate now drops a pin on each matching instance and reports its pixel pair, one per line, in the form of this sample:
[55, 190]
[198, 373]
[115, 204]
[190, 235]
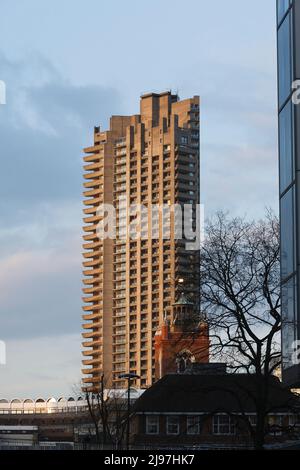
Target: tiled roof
[212, 394]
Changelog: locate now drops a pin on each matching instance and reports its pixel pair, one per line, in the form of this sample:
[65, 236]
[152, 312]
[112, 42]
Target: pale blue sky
[68, 66]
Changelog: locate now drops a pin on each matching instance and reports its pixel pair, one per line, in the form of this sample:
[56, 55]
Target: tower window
[184, 139]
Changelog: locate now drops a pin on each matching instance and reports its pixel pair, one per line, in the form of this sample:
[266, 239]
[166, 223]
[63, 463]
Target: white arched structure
[42, 405]
[62, 404]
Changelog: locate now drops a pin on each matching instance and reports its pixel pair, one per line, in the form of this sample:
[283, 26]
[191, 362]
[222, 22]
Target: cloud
[43, 127]
[41, 367]
[40, 292]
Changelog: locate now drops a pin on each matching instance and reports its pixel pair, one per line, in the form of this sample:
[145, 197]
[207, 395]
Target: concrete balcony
[91, 316]
[91, 246]
[93, 184]
[93, 175]
[120, 160]
[120, 341]
[94, 202]
[92, 325]
[119, 321]
[121, 169]
[93, 192]
[186, 158]
[119, 361]
[90, 228]
[93, 254]
[94, 334]
[91, 236]
[119, 259]
[120, 179]
[93, 307]
[121, 142]
[92, 281]
[92, 290]
[119, 269]
[91, 362]
[91, 210]
[185, 196]
[92, 380]
[94, 298]
[92, 272]
[92, 344]
[119, 349]
[92, 166]
[95, 157]
[120, 188]
[91, 263]
[92, 370]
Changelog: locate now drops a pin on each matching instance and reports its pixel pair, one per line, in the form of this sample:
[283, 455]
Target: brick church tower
[185, 341]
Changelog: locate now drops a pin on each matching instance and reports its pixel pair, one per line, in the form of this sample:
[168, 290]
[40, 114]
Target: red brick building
[207, 408]
[184, 341]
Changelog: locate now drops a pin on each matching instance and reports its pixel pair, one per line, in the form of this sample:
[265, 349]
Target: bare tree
[240, 295]
[107, 409]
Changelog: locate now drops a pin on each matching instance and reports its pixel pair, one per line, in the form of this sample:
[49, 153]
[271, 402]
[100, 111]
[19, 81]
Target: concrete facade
[150, 158]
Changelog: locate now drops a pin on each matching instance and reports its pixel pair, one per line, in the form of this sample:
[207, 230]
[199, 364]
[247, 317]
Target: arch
[28, 400]
[3, 400]
[51, 400]
[185, 352]
[40, 400]
[183, 359]
[16, 400]
[133, 392]
[61, 399]
[79, 399]
[71, 399]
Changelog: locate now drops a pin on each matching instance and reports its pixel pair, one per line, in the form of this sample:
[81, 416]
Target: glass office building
[288, 39]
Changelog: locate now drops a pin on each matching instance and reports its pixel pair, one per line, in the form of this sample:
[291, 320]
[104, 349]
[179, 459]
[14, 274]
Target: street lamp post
[128, 377]
[102, 411]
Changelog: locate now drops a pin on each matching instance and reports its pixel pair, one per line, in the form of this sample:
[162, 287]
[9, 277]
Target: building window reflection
[282, 7]
[284, 60]
[286, 132]
[288, 16]
[287, 234]
[289, 320]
